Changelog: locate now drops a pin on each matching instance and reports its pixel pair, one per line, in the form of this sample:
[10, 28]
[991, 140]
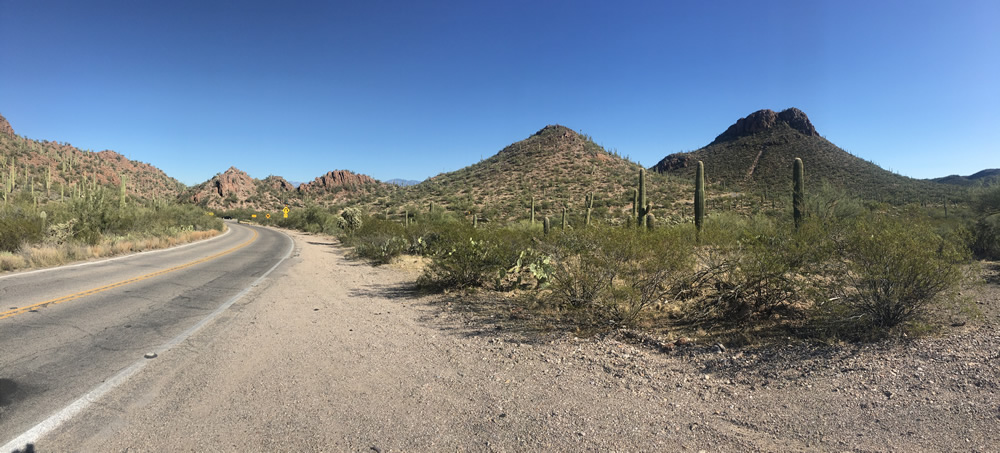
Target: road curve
[65, 331]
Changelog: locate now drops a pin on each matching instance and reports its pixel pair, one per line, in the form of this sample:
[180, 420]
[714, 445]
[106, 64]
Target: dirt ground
[335, 355]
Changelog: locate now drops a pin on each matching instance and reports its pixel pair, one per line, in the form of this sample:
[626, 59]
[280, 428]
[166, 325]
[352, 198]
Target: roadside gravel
[335, 355]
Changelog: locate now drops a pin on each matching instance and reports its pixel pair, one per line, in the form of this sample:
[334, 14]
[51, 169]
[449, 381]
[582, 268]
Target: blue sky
[404, 89]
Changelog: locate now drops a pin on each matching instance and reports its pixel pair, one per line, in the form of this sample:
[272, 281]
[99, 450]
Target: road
[66, 331]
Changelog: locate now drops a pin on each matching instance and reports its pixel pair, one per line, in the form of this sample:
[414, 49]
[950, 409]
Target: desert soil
[335, 355]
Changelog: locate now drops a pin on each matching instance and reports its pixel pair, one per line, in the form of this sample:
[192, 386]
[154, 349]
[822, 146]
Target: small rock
[150, 355]
[718, 348]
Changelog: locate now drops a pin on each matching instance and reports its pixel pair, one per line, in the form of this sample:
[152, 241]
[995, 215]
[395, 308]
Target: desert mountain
[988, 176]
[756, 154]
[235, 189]
[56, 169]
[556, 165]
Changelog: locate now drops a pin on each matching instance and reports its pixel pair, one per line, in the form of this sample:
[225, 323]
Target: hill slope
[756, 153]
[63, 168]
[988, 176]
[556, 166]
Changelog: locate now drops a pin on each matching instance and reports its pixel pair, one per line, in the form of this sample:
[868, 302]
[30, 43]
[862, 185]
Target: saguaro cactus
[564, 218]
[532, 210]
[546, 225]
[699, 197]
[641, 206]
[590, 206]
[798, 192]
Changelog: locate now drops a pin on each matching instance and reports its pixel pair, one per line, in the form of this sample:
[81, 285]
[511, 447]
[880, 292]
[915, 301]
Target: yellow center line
[59, 300]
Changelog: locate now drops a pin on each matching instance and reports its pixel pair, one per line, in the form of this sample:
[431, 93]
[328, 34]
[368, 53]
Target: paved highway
[66, 331]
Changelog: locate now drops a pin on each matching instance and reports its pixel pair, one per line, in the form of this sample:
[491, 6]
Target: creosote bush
[893, 270]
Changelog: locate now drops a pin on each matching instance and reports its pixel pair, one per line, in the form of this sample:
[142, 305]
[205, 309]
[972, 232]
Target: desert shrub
[18, 227]
[893, 271]
[754, 266]
[616, 273]
[477, 258]
[377, 240]
[985, 240]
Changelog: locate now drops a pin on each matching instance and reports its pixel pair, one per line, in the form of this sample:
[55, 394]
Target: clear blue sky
[410, 89]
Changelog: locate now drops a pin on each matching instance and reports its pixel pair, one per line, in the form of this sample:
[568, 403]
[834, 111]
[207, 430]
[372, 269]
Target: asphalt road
[65, 331]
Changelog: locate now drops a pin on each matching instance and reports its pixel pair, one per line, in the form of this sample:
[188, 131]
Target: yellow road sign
[285, 211]
[267, 215]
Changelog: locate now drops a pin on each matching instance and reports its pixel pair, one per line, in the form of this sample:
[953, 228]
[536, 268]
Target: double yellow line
[59, 300]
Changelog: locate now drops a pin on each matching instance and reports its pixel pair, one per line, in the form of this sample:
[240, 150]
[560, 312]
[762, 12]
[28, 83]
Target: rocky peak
[336, 178]
[763, 120]
[5, 127]
[233, 181]
[556, 130]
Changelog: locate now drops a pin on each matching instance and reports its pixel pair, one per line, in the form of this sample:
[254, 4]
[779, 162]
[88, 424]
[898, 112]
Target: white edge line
[55, 420]
[130, 255]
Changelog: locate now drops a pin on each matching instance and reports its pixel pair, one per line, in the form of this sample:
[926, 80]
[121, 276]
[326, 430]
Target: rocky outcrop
[5, 127]
[278, 183]
[335, 179]
[233, 183]
[763, 120]
[674, 162]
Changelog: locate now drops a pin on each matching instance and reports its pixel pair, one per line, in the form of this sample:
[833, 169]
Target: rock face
[278, 183]
[673, 162]
[335, 179]
[233, 182]
[5, 127]
[763, 120]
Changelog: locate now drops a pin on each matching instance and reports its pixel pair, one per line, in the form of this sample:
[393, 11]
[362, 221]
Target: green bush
[478, 258]
[616, 273]
[375, 239]
[894, 270]
[754, 266]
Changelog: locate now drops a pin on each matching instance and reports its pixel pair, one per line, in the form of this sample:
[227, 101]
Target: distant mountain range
[556, 166]
[402, 182]
[989, 176]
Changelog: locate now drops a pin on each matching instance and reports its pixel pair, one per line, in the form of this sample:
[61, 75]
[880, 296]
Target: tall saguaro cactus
[798, 192]
[699, 197]
[590, 207]
[546, 225]
[642, 206]
[564, 218]
[532, 210]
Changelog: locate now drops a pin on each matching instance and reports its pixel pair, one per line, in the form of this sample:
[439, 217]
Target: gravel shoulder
[334, 355]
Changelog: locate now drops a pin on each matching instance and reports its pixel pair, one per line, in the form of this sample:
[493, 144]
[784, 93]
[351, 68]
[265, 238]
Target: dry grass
[10, 261]
[39, 256]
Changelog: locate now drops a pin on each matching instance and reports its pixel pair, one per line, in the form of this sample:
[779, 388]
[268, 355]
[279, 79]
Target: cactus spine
[699, 197]
[798, 192]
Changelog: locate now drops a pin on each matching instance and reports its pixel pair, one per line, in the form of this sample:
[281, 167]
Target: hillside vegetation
[61, 204]
[755, 154]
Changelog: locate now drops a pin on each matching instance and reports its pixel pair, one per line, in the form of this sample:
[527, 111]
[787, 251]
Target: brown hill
[56, 169]
[234, 188]
[557, 166]
[755, 154]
